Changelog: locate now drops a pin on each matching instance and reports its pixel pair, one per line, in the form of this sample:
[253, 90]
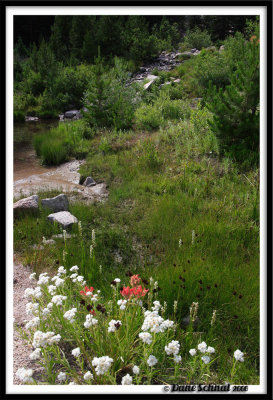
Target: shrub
[18, 116]
[196, 38]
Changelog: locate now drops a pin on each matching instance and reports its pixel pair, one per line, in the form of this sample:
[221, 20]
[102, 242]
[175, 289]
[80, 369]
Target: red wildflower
[86, 291]
[138, 292]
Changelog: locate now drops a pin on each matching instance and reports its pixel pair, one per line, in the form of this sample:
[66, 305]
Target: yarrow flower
[114, 325]
[36, 354]
[51, 289]
[173, 347]
[89, 321]
[136, 370]
[42, 339]
[102, 364]
[61, 377]
[202, 347]
[33, 323]
[70, 314]
[32, 308]
[122, 304]
[192, 352]
[205, 359]
[61, 270]
[87, 376]
[146, 337]
[75, 268]
[58, 299]
[152, 361]
[32, 276]
[76, 352]
[155, 323]
[25, 375]
[157, 306]
[127, 380]
[239, 356]
[211, 349]
[177, 359]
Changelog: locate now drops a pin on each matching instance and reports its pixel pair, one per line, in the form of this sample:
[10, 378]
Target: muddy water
[30, 177]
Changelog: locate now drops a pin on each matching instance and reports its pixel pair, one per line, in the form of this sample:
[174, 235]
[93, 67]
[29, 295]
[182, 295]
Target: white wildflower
[36, 354]
[172, 348]
[127, 380]
[76, 352]
[58, 299]
[33, 323]
[46, 311]
[51, 289]
[70, 314]
[157, 306]
[80, 278]
[205, 359]
[192, 352]
[114, 325]
[32, 276]
[61, 270]
[59, 282]
[202, 347]
[122, 304]
[238, 355]
[89, 321]
[102, 364]
[87, 376]
[74, 268]
[146, 337]
[32, 308]
[136, 370]
[49, 306]
[117, 280]
[211, 349]
[152, 361]
[177, 359]
[61, 377]
[43, 280]
[25, 375]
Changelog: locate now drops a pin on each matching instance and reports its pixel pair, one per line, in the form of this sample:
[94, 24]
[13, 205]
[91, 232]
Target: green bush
[19, 116]
[196, 38]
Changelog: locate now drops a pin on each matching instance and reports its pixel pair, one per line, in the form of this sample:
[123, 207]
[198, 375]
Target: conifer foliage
[236, 108]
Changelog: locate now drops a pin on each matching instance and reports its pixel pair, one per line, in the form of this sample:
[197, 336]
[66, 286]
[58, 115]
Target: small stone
[89, 181]
[64, 218]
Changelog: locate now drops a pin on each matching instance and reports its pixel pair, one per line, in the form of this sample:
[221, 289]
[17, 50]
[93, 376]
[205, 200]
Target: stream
[30, 177]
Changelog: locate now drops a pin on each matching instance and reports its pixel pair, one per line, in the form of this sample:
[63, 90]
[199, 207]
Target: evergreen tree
[236, 109]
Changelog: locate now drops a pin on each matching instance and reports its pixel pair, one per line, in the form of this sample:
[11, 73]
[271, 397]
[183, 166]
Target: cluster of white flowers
[122, 304]
[205, 359]
[136, 370]
[76, 352]
[112, 325]
[157, 306]
[61, 270]
[172, 348]
[87, 376]
[74, 277]
[43, 279]
[117, 280]
[102, 364]
[32, 308]
[152, 360]
[36, 354]
[74, 268]
[177, 359]
[42, 339]
[94, 297]
[146, 337]
[238, 355]
[202, 347]
[192, 352]
[25, 375]
[127, 380]
[61, 377]
[90, 320]
[58, 299]
[33, 323]
[70, 314]
[33, 292]
[51, 289]
[58, 281]
[155, 323]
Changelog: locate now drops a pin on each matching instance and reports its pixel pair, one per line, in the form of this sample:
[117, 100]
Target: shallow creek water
[30, 177]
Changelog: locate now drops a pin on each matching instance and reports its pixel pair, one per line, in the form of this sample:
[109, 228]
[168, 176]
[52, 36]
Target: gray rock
[72, 114]
[193, 50]
[89, 181]
[142, 69]
[186, 54]
[28, 204]
[64, 218]
[56, 204]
